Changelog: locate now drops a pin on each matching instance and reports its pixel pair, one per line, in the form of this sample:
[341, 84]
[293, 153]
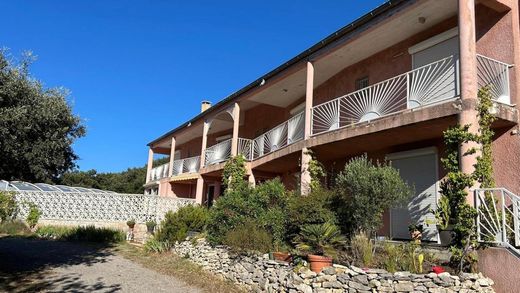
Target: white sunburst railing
[495, 75]
[498, 217]
[159, 172]
[280, 136]
[187, 165]
[245, 148]
[218, 153]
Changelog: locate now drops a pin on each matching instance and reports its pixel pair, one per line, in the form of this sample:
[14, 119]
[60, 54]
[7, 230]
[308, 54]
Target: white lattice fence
[83, 206]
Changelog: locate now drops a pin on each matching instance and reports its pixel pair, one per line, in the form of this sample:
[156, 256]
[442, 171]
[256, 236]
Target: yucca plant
[320, 239]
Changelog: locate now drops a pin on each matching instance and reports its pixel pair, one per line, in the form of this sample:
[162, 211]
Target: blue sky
[137, 69]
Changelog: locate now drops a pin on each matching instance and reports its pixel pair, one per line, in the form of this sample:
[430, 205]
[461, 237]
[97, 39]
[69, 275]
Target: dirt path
[30, 265]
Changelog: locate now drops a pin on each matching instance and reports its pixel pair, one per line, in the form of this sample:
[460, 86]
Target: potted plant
[416, 231]
[320, 242]
[280, 253]
[443, 216]
[130, 223]
[150, 226]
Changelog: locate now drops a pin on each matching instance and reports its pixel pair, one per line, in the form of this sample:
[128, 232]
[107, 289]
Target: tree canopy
[37, 126]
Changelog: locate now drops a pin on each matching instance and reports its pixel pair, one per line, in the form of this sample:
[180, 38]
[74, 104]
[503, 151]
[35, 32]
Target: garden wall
[258, 273]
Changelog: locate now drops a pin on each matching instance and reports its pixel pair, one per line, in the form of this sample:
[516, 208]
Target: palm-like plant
[320, 239]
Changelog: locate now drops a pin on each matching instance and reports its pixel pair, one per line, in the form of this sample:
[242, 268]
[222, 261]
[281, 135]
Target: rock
[343, 278]
[483, 282]
[333, 284]
[329, 271]
[357, 270]
[403, 287]
[357, 286]
[363, 279]
[374, 283]
[304, 288]
[306, 274]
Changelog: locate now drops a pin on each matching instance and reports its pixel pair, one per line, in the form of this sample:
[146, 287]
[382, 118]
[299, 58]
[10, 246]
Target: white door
[437, 81]
[419, 169]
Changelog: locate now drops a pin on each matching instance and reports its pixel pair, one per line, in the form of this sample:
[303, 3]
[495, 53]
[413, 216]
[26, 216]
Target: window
[361, 83]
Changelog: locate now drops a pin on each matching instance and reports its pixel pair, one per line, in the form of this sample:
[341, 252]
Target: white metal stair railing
[280, 136]
[159, 172]
[177, 167]
[245, 148]
[498, 217]
[218, 153]
[495, 75]
[421, 86]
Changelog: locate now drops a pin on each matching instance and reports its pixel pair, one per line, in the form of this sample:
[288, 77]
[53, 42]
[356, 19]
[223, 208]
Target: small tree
[8, 206]
[234, 172]
[364, 190]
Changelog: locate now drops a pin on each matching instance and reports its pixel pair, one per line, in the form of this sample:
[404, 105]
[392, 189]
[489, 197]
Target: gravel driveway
[30, 265]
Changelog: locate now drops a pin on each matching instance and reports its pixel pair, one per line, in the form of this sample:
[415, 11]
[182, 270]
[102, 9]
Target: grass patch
[172, 265]
[83, 234]
[14, 228]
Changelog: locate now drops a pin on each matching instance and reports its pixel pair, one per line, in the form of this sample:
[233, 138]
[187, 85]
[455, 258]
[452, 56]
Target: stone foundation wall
[258, 273]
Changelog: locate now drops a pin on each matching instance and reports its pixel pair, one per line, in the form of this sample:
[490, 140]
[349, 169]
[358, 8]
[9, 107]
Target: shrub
[364, 191]
[249, 236]
[150, 225]
[175, 226]
[266, 204]
[320, 239]
[8, 206]
[130, 223]
[84, 234]
[156, 246]
[14, 227]
[309, 210]
[362, 249]
[33, 216]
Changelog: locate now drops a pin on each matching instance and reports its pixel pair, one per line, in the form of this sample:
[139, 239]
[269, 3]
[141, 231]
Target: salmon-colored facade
[387, 86]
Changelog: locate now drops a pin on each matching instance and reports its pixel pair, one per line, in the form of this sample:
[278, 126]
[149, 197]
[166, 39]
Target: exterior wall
[495, 39]
[255, 122]
[184, 190]
[502, 267]
[506, 160]
[378, 67]
[191, 148]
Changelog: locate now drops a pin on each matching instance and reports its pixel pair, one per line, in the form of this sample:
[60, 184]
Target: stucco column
[205, 130]
[305, 178]
[468, 83]
[172, 157]
[309, 91]
[236, 125]
[250, 175]
[149, 165]
[199, 191]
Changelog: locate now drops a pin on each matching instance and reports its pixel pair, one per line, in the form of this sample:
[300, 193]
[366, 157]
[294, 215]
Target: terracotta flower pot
[319, 262]
[282, 256]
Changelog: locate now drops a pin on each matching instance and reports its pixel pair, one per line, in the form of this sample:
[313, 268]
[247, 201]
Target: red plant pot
[319, 262]
[282, 256]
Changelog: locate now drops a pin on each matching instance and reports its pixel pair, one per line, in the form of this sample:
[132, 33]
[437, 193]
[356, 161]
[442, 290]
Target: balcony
[186, 166]
[159, 172]
[427, 85]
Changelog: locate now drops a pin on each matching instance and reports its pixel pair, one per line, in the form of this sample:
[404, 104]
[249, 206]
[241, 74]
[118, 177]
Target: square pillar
[205, 130]
[309, 96]
[199, 192]
[149, 165]
[468, 84]
[305, 178]
[172, 157]
[236, 125]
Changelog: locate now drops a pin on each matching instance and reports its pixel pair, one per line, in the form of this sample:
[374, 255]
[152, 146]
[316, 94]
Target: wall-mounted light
[421, 19]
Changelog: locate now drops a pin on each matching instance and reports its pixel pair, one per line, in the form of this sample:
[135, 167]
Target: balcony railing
[159, 172]
[218, 153]
[282, 135]
[187, 165]
[426, 85]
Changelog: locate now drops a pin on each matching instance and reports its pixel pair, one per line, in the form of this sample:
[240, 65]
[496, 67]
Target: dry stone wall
[259, 274]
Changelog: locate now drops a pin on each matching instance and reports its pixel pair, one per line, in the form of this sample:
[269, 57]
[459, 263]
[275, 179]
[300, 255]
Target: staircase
[498, 219]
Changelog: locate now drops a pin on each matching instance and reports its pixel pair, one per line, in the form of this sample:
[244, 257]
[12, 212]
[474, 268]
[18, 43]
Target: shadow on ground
[25, 265]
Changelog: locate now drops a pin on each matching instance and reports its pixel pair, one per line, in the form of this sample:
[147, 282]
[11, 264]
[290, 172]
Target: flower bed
[258, 273]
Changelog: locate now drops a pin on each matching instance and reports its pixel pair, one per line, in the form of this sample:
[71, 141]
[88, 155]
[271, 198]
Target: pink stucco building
[387, 84]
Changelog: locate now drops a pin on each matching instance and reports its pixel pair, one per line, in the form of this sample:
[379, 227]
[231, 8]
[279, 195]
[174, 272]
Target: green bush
[175, 226]
[33, 216]
[8, 206]
[156, 246]
[15, 227]
[83, 234]
[363, 192]
[362, 249]
[266, 204]
[312, 209]
[249, 236]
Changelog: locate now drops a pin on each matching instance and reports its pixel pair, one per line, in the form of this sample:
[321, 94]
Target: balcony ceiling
[284, 90]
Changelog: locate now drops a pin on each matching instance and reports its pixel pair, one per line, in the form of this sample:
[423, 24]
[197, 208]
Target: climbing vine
[455, 186]
[317, 172]
[234, 172]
